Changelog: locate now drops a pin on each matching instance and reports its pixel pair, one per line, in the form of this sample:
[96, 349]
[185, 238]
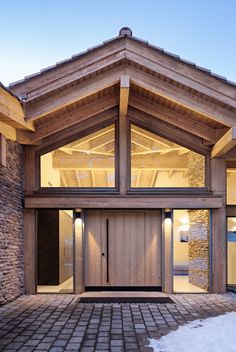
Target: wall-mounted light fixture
[167, 214]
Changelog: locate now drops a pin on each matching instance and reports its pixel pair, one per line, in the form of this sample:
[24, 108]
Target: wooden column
[218, 184]
[79, 255]
[3, 150]
[123, 133]
[30, 251]
[30, 227]
[167, 254]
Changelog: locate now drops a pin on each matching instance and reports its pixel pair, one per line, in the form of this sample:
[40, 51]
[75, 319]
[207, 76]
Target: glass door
[231, 251]
[55, 251]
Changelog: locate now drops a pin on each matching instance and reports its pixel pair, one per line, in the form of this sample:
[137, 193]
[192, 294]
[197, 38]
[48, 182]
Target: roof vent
[125, 32]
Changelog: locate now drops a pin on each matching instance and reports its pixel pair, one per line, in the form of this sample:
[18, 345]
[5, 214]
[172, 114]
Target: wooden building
[127, 153]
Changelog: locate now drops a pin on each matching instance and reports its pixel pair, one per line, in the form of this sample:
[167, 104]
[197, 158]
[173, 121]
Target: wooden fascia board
[63, 73]
[174, 118]
[80, 114]
[12, 111]
[74, 94]
[181, 72]
[225, 144]
[108, 202]
[168, 131]
[124, 94]
[180, 96]
[79, 75]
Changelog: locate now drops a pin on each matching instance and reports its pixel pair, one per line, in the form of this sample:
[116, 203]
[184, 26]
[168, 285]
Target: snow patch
[216, 334]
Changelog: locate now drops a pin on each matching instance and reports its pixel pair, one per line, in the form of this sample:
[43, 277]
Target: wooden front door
[122, 248]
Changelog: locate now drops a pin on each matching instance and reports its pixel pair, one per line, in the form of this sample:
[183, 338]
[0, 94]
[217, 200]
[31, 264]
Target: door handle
[103, 254]
[107, 249]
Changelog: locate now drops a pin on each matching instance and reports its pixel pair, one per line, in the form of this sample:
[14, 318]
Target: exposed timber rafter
[168, 131]
[225, 144]
[174, 118]
[187, 99]
[73, 94]
[124, 94]
[53, 125]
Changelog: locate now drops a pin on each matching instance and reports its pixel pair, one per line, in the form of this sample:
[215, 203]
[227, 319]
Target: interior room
[191, 236]
[55, 251]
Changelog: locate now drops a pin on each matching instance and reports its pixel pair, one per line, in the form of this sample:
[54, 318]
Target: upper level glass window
[231, 186]
[88, 162]
[158, 162]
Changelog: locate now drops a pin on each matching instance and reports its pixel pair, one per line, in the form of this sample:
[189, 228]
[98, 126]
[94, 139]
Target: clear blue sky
[36, 33]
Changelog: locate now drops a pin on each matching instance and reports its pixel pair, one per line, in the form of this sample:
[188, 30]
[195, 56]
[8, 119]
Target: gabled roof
[123, 33]
[168, 93]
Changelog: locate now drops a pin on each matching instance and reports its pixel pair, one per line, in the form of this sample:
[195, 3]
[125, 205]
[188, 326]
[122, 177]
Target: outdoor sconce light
[167, 214]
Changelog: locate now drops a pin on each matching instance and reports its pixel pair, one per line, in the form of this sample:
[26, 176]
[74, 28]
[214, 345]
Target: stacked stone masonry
[199, 228]
[11, 224]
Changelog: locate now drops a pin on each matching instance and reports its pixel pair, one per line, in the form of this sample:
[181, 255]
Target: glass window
[231, 186]
[231, 248]
[158, 162]
[86, 162]
[191, 248]
[55, 251]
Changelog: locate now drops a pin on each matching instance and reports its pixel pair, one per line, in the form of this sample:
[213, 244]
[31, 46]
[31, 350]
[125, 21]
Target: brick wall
[11, 224]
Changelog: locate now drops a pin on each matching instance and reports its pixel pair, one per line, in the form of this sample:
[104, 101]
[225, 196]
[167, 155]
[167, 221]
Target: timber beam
[168, 131]
[174, 118]
[51, 125]
[73, 94]
[225, 144]
[124, 94]
[12, 111]
[187, 99]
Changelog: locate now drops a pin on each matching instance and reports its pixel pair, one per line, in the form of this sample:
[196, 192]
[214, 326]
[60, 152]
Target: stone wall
[199, 228]
[198, 248]
[11, 224]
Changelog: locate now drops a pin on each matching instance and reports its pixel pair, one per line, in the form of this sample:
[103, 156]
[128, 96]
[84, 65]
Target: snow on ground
[216, 334]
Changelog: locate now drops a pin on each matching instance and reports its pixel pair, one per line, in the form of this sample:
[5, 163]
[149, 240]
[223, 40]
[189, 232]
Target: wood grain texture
[30, 251]
[134, 248]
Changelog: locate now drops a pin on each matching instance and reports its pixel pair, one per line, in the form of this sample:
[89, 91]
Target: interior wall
[50, 177]
[231, 186]
[48, 247]
[11, 224]
[65, 245]
[231, 248]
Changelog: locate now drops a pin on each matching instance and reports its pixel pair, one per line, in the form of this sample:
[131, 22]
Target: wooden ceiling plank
[225, 144]
[174, 118]
[124, 94]
[67, 135]
[162, 68]
[182, 97]
[179, 68]
[73, 117]
[49, 104]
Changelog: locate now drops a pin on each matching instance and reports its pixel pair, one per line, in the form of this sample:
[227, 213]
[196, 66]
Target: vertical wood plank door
[123, 249]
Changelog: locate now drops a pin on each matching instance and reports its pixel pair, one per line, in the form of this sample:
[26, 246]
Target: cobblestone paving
[58, 323]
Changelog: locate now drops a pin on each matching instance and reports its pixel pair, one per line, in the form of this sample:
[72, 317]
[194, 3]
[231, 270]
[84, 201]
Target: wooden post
[167, 253]
[218, 183]
[123, 133]
[30, 251]
[3, 150]
[79, 255]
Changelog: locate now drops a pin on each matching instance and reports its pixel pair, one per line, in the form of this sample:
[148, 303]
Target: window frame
[82, 190]
[161, 190]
